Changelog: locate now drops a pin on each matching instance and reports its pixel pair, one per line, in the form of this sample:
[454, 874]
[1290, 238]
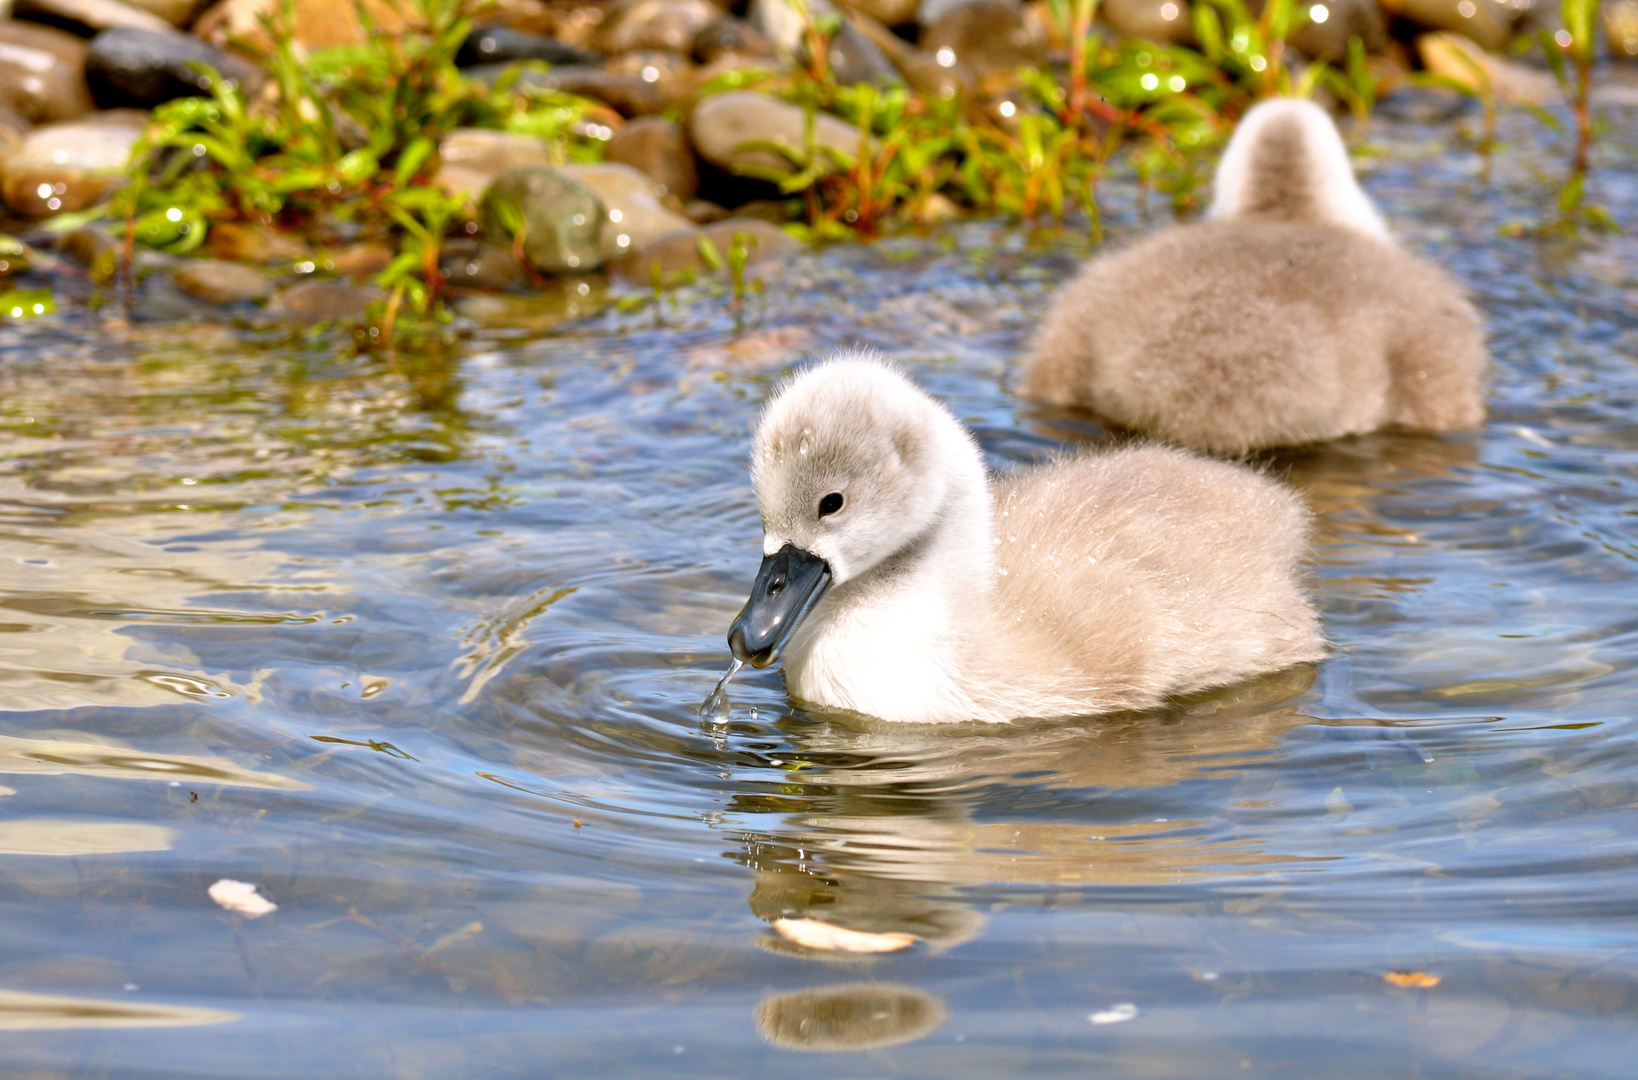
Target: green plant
[1570, 52]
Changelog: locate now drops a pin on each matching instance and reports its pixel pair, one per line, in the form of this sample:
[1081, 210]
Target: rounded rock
[1344, 19]
[70, 166]
[130, 68]
[991, 37]
[217, 282]
[556, 220]
[728, 36]
[656, 147]
[680, 252]
[723, 125]
[664, 25]
[325, 301]
[504, 45]
[635, 216]
[1166, 21]
[1484, 22]
[48, 88]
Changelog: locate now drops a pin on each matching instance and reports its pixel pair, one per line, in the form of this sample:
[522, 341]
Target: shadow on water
[415, 646]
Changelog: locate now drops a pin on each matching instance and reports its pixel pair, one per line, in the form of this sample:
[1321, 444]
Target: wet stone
[556, 220]
[1153, 20]
[13, 129]
[728, 36]
[1620, 19]
[504, 45]
[40, 85]
[635, 216]
[134, 68]
[665, 25]
[473, 157]
[70, 166]
[176, 12]
[252, 243]
[656, 147]
[478, 264]
[722, 125]
[1455, 57]
[320, 24]
[1484, 21]
[887, 12]
[1344, 19]
[781, 24]
[627, 94]
[990, 36]
[854, 59]
[936, 75]
[218, 282]
[324, 301]
[680, 253]
[93, 15]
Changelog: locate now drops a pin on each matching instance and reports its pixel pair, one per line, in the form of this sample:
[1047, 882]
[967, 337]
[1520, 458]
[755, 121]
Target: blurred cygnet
[901, 583]
[1288, 316]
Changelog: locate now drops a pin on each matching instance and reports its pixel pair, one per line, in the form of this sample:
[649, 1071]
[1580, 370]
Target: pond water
[416, 646]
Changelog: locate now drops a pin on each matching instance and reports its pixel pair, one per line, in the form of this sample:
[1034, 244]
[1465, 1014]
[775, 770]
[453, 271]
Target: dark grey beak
[790, 582]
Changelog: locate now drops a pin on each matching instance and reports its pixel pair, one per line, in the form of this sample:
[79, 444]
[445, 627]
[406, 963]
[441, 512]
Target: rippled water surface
[416, 646]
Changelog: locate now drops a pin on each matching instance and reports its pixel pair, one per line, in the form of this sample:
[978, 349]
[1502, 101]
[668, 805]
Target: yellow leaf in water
[1420, 980]
[819, 935]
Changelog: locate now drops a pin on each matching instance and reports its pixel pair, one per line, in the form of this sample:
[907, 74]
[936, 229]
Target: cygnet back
[1287, 317]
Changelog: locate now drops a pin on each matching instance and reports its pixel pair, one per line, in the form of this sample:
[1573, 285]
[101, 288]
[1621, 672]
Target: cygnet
[1288, 316]
[900, 582]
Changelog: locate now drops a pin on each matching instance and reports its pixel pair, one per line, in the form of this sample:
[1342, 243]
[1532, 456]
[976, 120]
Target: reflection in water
[41, 836]
[885, 825]
[53, 757]
[849, 1016]
[47, 1012]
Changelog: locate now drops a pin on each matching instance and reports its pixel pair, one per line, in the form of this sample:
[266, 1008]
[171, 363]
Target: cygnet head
[852, 465]
[1286, 162]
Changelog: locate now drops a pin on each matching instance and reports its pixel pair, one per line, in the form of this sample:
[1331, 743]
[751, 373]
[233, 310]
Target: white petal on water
[241, 898]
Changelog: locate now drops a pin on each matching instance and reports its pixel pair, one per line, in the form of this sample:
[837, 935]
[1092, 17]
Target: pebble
[991, 37]
[559, 219]
[664, 25]
[1344, 19]
[781, 24]
[42, 73]
[723, 123]
[1454, 57]
[656, 147]
[887, 12]
[320, 24]
[252, 243]
[473, 157]
[1484, 21]
[70, 166]
[504, 45]
[635, 215]
[92, 14]
[130, 68]
[937, 76]
[1620, 19]
[679, 253]
[324, 301]
[478, 264]
[175, 12]
[627, 94]
[854, 59]
[1152, 20]
[728, 36]
[217, 282]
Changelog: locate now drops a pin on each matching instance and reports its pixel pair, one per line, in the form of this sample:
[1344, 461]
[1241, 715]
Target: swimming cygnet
[1288, 316]
[901, 583]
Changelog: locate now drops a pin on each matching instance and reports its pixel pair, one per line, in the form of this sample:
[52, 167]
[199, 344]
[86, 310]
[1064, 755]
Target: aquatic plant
[1570, 52]
[341, 148]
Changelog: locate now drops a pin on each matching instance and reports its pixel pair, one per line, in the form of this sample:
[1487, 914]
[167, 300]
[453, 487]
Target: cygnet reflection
[884, 828]
[850, 1016]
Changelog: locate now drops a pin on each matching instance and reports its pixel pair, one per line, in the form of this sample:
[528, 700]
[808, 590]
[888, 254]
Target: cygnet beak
[790, 582]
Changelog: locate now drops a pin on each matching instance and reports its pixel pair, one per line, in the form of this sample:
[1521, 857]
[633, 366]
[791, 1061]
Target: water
[716, 707]
[416, 647]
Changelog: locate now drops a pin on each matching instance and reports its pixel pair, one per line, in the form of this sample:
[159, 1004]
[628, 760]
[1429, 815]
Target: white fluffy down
[1103, 582]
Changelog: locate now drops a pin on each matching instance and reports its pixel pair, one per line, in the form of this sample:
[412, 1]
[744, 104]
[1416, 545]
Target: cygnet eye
[830, 504]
